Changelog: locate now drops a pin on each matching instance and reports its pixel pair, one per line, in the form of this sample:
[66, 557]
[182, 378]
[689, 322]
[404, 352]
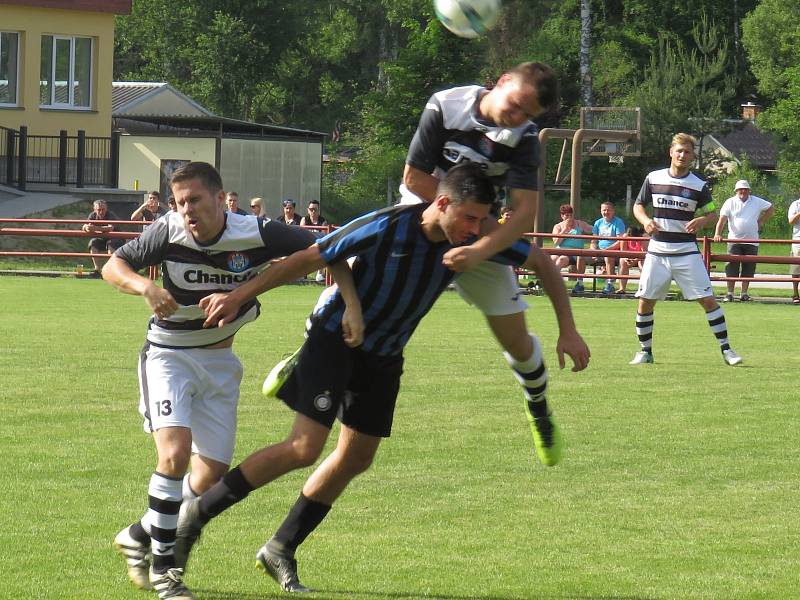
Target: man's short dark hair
[203, 171]
[543, 79]
[154, 193]
[467, 181]
[314, 202]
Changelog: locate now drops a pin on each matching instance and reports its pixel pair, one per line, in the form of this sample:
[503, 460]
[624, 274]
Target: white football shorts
[687, 270]
[196, 388]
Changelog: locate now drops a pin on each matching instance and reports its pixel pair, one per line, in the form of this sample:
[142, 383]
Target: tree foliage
[367, 66]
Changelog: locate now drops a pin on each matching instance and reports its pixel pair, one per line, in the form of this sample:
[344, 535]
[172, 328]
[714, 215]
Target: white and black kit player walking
[188, 375]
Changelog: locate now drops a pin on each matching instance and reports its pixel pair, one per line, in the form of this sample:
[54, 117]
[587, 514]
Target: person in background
[505, 214]
[289, 216]
[745, 214]
[255, 206]
[150, 210]
[626, 264]
[570, 225]
[608, 226]
[794, 221]
[682, 205]
[173, 206]
[232, 202]
[101, 244]
[315, 219]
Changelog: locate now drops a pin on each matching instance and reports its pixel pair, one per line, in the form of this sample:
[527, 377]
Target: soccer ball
[468, 18]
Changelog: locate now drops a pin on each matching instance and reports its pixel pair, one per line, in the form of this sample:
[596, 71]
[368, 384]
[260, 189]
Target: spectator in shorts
[572, 226]
[794, 221]
[608, 226]
[745, 214]
[255, 206]
[101, 245]
[315, 219]
[626, 264]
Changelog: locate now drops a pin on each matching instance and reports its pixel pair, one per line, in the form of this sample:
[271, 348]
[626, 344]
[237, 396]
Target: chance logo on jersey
[238, 262]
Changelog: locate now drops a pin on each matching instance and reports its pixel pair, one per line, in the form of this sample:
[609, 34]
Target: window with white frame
[66, 73]
[9, 61]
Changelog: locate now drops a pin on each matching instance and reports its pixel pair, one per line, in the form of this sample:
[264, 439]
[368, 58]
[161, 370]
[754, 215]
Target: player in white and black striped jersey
[189, 376]
[676, 195]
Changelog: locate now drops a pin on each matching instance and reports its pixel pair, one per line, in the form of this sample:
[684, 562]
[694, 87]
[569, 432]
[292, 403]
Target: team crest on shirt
[238, 262]
[323, 402]
[686, 193]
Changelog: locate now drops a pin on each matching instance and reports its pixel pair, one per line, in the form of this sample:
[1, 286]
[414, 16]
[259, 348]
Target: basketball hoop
[616, 159]
[616, 153]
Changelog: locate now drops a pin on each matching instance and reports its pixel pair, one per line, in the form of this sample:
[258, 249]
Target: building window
[66, 74]
[9, 46]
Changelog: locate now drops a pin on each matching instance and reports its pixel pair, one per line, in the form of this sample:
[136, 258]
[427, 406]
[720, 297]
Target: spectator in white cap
[745, 214]
[794, 221]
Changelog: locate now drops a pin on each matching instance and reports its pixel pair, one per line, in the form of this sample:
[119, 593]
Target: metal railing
[78, 160]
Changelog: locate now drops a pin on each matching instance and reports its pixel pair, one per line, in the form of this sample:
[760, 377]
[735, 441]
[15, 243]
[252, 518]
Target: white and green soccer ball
[468, 18]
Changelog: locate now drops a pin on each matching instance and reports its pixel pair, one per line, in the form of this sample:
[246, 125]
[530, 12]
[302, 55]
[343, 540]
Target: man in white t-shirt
[745, 214]
[794, 221]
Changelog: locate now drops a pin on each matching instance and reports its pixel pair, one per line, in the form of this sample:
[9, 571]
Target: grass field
[679, 478]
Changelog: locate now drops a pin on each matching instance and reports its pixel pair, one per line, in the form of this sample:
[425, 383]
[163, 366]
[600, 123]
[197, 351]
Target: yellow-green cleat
[278, 375]
[546, 438]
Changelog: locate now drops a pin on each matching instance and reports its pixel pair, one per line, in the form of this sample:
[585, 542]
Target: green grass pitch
[679, 479]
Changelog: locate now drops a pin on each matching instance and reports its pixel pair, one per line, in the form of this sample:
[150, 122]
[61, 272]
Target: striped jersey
[450, 131]
[675, 201]
[192, 271]
[398, 274]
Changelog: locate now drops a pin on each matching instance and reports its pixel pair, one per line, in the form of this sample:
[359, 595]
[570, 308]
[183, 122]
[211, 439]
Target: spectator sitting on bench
[101, 245]
[572, 226]
[608, 226]
[626, 264]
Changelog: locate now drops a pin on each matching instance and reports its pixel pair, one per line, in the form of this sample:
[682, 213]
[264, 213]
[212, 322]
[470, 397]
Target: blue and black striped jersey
[398, 274]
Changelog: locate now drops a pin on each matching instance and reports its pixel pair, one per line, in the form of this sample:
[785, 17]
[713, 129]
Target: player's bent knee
[305, 451]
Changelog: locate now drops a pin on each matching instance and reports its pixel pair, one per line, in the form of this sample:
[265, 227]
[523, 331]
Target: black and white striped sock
[161, 520]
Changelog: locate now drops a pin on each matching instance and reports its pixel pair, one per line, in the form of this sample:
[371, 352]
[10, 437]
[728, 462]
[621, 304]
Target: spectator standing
[505, 214]
[101, 245]
[255, 206]
[232, 202]
[289, 216]
[794, 221]
[626, 264]
[608, 226]
[745, 214]
[150, 210]
[571, 226]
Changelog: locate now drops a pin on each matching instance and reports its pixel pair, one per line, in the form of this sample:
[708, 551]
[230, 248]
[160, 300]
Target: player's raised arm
[569, 340]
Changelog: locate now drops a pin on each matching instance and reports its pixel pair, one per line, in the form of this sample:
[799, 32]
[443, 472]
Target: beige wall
[140, 157]
[273, 170]
[32, 23]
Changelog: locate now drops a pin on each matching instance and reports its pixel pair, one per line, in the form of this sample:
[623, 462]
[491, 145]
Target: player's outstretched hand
[160, 301]
[461, 259]
[573, 345]
[220, 309]
[353, 326]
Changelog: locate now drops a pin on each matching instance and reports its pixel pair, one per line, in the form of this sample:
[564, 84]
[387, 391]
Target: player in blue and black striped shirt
[351, 362]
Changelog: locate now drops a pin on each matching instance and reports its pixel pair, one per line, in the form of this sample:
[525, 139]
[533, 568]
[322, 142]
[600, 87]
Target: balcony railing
[62, 159]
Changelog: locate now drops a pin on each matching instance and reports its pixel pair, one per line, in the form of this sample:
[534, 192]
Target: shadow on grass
[343, 594]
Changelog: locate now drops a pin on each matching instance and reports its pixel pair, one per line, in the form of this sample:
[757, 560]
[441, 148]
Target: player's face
[681, 156]
[202, 212]
[462, 221]
[514, 102]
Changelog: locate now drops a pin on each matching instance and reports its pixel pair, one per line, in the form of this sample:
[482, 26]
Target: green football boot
[278, 376]
[546, 438]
